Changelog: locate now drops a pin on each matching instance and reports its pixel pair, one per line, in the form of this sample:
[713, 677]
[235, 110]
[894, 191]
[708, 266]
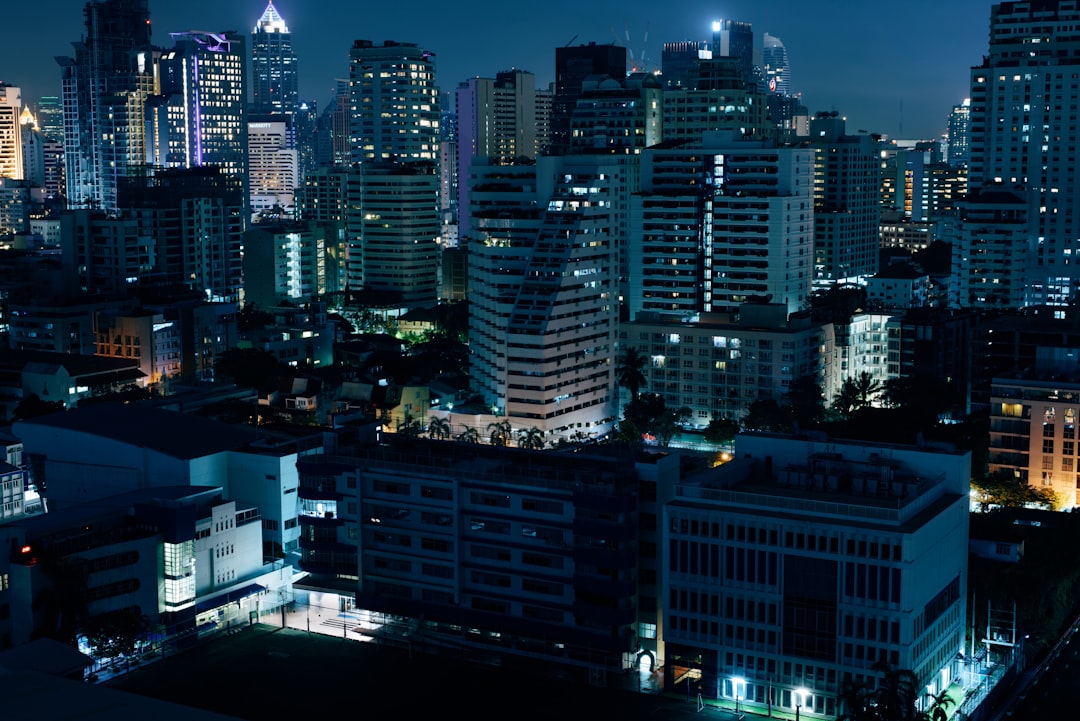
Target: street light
[738, 685]
[800, 700]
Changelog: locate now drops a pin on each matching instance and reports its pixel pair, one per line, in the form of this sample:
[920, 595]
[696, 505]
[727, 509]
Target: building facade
[806, 561]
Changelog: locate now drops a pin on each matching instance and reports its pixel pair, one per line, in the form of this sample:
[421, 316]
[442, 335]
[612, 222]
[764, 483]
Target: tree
[438, 428]
[532, 438]
[32, 406]
[469, 435]
[766, 414]
[410, 426]
[806, 401]
[721, 431]
[1002, 490]
[116, 633]
[630, 371]
[855, 394]
[500, 433]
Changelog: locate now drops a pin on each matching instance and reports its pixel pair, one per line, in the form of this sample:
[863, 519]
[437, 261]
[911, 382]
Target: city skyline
[897, 74]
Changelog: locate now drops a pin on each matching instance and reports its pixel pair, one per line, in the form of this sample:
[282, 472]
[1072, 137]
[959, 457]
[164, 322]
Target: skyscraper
[105, 87]
[960, 134]
[735, 39]
[496, 119]
[394, 104]
[572, 65]
[1024, 135]
[274, 85]
[199, 118]
[847, 207]
[774, 60]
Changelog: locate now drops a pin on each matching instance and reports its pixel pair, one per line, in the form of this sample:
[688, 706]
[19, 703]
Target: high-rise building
[105, 87]
[677, 61]
[50, 117]
[399, 228]
[196, 219]
[847, 210]
[617, 115]
[572, 65]
[543, 289]
[273, 173]
[274, 84]
[333, 145]
[959, 134]
[715, 98]
[735, 39]
[200, 117]
[774, 59]
[748, 237]
[1023, 135]
[394, 104]
[496, 121]
[11, 154]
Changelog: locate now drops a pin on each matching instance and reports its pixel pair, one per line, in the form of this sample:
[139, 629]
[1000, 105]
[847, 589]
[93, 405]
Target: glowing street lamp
[738, 685]
[800, 700]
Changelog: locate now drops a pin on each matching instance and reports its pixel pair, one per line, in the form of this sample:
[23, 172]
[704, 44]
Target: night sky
[895, 69]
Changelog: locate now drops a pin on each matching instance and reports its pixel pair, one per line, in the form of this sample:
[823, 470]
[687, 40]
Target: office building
[535, 553]
[393, 103]
[105, 88]
[735, 39]
[289, 262]
[195, 219]
[1028, 145]
[677, 61]
[800, 565]
[199, 119]
[715, 98]
[573, 64]
[847, 211]
[959, 134]
[617, 115]
[273, 168]
[396, 254]
[774, 59]
[274, 84]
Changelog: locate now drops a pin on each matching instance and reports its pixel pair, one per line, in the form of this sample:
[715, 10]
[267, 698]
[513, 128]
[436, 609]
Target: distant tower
[960, 134]
[774, 60]
[104, 89]
[572, 66]
[394, 104]
[273, 66]
[735, 39]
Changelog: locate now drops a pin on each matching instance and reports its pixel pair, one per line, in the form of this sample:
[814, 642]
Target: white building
[273, 173]
[799, 565]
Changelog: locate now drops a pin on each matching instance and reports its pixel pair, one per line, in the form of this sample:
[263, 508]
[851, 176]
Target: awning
[228, 597]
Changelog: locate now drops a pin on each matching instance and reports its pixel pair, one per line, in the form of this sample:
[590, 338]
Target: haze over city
[895, 70]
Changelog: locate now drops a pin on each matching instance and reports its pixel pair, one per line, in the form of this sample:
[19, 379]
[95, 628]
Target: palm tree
[856, 393]
[532, 438]
[469, 435]
[438, 428]
[630, 371]
[410, 426]
[500, 433]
